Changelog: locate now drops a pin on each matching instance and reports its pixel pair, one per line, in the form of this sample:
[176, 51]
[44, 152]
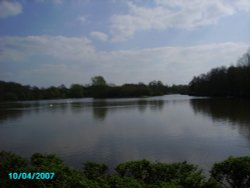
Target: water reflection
[100, 109]
[11, 111]
[15, 110]
[234, 111]
[156, 105]
[167, 128]
[10, 115]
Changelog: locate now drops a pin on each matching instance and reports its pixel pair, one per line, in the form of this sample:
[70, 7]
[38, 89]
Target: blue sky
[53, 42]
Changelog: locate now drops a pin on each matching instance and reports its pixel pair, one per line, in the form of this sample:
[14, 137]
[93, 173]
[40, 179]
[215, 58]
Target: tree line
[233, 81]
[11, 91]
[230, 173]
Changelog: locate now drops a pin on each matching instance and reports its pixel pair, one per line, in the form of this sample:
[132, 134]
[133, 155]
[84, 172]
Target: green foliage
[76, 91]
[134, 90]
[235, 171]
[123, 182]
[163, 184]
[135, 169]
[186, 175]
[93, 170]
[178, 89]
[212, 183]
[231, 173]
[64, 176]
[157, 88]
[220, 82]
[98, 81]
[39, 160]
[9, 163]
[10, 91]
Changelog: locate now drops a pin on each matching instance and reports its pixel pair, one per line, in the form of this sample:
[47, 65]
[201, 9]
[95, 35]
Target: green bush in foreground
[232, 173]
[235, 171]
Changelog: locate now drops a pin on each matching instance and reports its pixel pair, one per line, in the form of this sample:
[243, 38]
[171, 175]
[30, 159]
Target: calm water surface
[170, 128]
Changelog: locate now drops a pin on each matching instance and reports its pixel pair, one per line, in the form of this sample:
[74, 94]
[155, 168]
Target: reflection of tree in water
[14, 110]
[6, 115]
[156, 104]
[100, 109]
[152, 104]
[77, 107]
[236, 111]
[62, 107]
[11, 111]
[142, 105]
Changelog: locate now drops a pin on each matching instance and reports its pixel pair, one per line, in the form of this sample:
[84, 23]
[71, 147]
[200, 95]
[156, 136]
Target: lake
[171, 128]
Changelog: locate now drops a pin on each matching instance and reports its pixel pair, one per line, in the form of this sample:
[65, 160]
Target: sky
[52, 42]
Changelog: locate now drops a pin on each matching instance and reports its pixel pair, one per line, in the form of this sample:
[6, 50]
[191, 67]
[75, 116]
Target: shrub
[235, 171]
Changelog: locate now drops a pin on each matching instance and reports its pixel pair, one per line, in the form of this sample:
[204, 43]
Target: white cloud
[243, 5]
[59, 47]
[99, 36]
[55, 60]
[173, 14]
[82, 19]
[9, 8]
[57, 2]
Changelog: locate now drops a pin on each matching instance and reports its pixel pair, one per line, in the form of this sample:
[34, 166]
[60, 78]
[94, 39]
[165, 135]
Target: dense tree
[76, 91]
[184, 174]
[157, 88]
[10, 91]
[93, 170]
[178, 89]
[134, 90]
[10, 162]
[14, 91]
[222, 81]
[233, 172]
[98, 81]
